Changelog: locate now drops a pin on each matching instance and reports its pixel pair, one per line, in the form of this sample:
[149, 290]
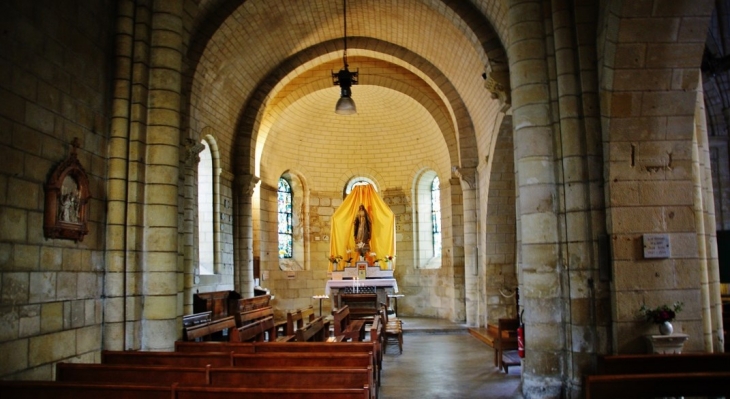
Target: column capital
[190, 152]
[467, 175]
[246, 183]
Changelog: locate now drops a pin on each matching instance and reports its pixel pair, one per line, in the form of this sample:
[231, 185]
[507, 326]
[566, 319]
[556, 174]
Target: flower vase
[666, 328]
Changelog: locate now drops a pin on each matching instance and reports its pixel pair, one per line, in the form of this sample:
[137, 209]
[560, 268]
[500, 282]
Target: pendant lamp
[345, 79]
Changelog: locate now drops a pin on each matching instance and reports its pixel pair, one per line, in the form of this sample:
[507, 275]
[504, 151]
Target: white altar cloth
[375, 282]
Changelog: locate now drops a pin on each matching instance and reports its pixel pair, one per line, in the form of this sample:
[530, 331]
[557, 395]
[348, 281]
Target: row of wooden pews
[660, 375]
[247, 366]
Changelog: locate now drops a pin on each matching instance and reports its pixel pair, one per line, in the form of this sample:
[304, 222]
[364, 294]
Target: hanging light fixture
[345, 79]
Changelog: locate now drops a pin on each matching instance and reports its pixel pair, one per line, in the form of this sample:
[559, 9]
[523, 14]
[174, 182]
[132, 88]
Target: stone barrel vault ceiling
[420, 64]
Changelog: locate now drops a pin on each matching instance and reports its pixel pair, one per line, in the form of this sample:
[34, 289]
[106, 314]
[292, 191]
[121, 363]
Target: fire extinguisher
[521, 337]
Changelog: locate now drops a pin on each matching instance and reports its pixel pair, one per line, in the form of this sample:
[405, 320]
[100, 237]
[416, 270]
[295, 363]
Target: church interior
[561, 162]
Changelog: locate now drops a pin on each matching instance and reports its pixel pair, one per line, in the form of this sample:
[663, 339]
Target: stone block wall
[56, 71]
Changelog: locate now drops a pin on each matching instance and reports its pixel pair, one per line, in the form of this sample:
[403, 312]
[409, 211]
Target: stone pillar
[541, 266]
[117, 181]
[471, 268]
[706, 227]
[243, 264]
[577, 230]
[162, 304]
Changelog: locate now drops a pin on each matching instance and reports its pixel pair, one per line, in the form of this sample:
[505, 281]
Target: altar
[380, 286]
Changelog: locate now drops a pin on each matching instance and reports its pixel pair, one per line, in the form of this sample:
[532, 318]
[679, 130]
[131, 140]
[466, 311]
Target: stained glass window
[436, 217]
[285, 219]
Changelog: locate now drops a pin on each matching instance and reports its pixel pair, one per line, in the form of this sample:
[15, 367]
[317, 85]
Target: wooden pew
[296, 319]
[301, 359]
[220, 359]
[210, 331]
[501, 337]
[235, 347]
[257, 331]
[656, 363]
[64, 390]
[687, 374]
[350, 329]
[180, 359]
[313, 332]
[282, 347]
[295, 378]
[362, 306]
[657, 385]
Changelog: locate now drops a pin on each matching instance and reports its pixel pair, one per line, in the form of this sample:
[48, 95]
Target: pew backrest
[313, 331]
[67, 390]
[341, 319]
[656, 363]
[257, 331]
[180, 359]
[208, 331]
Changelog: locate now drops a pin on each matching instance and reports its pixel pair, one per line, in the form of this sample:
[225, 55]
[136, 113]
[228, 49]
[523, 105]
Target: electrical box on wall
[656, 246]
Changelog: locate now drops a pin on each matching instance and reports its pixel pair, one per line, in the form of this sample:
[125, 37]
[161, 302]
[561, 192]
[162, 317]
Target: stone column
[706, 227]
[471, 268]
[243, 264]
[118, 181]
[540, 263]
[162, 304]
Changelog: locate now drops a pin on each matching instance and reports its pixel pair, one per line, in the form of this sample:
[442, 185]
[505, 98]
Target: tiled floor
[441, 360]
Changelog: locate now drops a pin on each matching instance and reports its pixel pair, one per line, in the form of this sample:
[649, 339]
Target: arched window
[206, 230]
[436, 216]
[285, 219]
[427, 217]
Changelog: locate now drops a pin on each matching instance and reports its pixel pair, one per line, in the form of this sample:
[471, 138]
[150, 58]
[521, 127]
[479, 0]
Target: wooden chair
[392, 330]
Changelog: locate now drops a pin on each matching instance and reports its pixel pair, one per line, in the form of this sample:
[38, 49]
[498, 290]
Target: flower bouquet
[662, 315]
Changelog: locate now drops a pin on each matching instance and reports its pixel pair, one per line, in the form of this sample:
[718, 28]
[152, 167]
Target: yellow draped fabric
[382, 239]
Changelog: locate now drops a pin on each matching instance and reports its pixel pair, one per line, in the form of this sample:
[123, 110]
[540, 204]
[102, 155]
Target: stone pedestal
[666, 344]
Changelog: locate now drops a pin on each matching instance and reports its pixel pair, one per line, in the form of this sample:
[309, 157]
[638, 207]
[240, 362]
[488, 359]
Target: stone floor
[441, 360]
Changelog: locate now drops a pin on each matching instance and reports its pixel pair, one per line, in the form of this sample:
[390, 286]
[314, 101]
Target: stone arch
[462, 147]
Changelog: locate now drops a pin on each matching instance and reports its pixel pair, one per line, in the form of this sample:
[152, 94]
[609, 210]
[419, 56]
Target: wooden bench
[362, 306]
[656, 363]
[296, 319]
[282, 347]
[500, 337]
[210, 331]
[69, 390]
[301, 359]
[657, 385]
[688, 374]
[215, 376]
[350, 329]
[257, 331]
[313, 332]
[181, 359]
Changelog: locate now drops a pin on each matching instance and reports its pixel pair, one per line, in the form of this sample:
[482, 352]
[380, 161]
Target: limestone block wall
[648, 147]
[55, 68]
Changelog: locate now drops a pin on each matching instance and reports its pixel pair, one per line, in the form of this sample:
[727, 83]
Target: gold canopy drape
[382, 239]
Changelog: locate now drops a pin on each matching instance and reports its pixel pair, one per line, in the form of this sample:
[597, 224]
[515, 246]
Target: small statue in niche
[362, 231]
[68, 206]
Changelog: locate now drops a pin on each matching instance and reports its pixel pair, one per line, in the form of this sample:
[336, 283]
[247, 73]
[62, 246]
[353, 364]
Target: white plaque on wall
[656, 246]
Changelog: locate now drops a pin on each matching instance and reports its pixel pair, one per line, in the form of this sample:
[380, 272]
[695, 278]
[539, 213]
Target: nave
[441, 360]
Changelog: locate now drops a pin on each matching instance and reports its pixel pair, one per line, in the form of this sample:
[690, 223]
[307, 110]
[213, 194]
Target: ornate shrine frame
[67, 200]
